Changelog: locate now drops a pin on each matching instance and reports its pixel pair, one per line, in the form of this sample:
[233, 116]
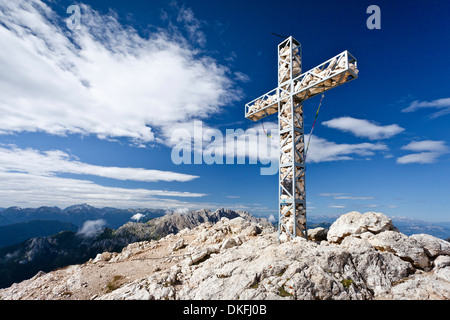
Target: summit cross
[287, 98]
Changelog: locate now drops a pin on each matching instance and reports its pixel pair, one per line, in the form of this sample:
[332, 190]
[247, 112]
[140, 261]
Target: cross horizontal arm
[338, 70]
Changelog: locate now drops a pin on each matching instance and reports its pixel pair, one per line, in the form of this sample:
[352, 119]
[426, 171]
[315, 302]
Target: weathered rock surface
[365, 257]
[354, 223]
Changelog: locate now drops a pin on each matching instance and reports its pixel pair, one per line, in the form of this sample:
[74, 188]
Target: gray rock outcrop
[364, 257]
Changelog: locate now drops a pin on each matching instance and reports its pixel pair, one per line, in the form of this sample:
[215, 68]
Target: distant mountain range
[77, 214]
[405, 225]
[45, 238]
[21, 231]
[22, 261]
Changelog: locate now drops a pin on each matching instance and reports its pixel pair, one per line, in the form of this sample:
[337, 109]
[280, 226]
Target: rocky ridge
[361, 256]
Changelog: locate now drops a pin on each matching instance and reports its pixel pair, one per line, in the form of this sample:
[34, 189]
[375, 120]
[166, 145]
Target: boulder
[105, 256]
[401, 245]
[354, 223]
[433, 246]
[180, 244]
[317, 234]
[441, 262]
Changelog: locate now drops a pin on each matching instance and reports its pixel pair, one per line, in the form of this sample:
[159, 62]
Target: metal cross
[287, 98]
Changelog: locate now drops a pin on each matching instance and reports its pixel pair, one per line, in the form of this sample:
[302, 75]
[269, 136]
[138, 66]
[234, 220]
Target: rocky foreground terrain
[361, 256]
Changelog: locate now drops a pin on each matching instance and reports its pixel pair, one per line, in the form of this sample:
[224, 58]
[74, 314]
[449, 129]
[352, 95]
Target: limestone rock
[179, 245]
[357, 223]
[105, 256]
[317, 234]
[441, 262]
[366, 259]
[433, 246]
[407, 248]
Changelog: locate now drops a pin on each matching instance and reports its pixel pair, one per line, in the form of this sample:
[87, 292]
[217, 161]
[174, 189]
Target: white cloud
[443, 105]
[191, 24]
[48, 163]
[103, 79]
[422, 157]
[239, 76]
[91, 227]
[353, 198]
[272, 218]
[426, 145]
[253, 144]
[181, 210]
[32, 190]
[364, 128]
[342, 196]
[321, 150]
[137, 216]
[32, 178]
[330, 194]
[428, 151]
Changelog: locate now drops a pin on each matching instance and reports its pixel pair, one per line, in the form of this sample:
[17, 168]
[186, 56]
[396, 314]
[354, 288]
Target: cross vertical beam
[287, 99]
[291, 174]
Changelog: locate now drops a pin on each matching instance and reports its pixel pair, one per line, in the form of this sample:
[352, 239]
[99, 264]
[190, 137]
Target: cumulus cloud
[253, 145]
[364, 128]
[426, 145]
[321, 150]
[181, 210]
[272, 218]
[443, 105]
[103, 79]
[91, 227]
[427, 151]
[137, 216]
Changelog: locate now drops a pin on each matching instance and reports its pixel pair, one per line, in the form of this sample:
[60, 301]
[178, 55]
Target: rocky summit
[361, 256]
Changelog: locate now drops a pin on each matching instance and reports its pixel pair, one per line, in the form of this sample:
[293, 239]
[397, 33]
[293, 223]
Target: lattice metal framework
[287, 99]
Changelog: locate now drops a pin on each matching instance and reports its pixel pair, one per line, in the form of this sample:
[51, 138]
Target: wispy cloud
[427, 151]
[353, 198]
[91, 227]
[442, 105]
[426, 145]
[53, 162]
[330, 194]
[33, 178]
[191, 24]
[364, 128]
[103, 79]
[344, 196]
[32, 190]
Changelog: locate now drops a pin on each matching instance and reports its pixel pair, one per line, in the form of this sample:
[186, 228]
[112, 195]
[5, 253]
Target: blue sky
[88, 114]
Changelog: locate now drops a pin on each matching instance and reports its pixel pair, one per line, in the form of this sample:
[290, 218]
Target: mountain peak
[361, 256]
[83, 206]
